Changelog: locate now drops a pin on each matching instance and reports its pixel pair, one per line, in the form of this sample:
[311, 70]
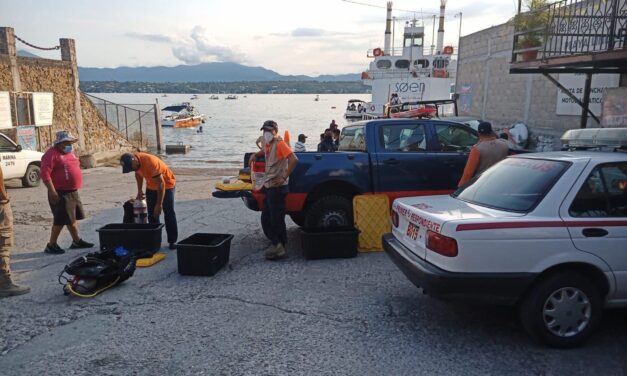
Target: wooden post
[158, 126]
[7, 47]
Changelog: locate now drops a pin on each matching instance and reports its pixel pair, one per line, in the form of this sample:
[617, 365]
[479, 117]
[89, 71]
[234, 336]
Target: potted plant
[533, 22]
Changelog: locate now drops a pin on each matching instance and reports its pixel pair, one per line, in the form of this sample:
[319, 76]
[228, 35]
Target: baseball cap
[269, 125]
[126, 160]
[301, 137]
[484, 128]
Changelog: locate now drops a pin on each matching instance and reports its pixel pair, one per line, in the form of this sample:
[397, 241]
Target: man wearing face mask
[280, 162]
[61, 173]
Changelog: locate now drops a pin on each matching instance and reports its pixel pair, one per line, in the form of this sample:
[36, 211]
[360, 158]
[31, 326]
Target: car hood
[30, 154]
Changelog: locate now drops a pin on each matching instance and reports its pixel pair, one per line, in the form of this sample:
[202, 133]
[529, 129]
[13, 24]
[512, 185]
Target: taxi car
[546, 232]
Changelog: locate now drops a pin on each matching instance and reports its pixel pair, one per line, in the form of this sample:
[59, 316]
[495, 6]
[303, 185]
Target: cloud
[308, 32]
[151, 37]
[201, 49]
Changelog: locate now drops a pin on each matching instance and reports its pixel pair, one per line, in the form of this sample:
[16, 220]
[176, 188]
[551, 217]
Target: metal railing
[570, 27]
[138, 123]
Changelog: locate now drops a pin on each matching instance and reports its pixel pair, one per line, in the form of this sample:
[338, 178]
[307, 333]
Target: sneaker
[54, 249]
[275, 252]
[81, 244]
[172, 246]
[13, 290]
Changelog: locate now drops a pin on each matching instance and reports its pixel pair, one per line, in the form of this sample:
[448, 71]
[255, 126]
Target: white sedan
[544, 231]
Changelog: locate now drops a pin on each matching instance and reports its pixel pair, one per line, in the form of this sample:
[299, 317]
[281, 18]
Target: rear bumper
[499, 288]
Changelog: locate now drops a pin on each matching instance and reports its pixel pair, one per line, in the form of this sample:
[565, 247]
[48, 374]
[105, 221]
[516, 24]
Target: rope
[36, 47]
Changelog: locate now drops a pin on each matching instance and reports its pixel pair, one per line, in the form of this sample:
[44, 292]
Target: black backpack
[89, 275]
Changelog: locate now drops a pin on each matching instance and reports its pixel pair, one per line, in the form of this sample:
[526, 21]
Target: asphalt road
[355, 316]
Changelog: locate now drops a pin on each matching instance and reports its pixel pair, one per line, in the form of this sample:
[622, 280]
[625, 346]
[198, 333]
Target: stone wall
[504, 98]
[78, 115]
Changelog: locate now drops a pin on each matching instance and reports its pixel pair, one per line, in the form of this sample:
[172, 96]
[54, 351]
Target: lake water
[233, 125]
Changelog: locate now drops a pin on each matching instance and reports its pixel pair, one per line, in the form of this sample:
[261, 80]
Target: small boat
[164, 95]
[317, 98]
[231, 96]
[195, 96]
[407, 110]
[355, 109]
[214, 97]
[182, 115]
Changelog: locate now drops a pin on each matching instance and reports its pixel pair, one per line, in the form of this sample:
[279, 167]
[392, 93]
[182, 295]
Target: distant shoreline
[242, 87]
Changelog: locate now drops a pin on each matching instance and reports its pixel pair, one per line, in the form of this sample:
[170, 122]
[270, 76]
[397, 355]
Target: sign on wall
[5, 110]
[43, 106]
[615, 108]
[575, 82]
[27, 137]
[465, 98]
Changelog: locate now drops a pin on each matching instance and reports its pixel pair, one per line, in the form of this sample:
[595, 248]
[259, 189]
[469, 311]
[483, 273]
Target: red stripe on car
[538, 224]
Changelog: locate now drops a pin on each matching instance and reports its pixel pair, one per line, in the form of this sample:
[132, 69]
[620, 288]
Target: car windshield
[514, 184]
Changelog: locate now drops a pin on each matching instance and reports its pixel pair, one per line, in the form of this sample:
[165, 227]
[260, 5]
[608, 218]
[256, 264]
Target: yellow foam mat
[146, 262]
[235, 186]
[371, 214]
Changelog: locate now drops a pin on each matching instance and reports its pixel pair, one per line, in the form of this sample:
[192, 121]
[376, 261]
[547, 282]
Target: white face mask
[268, 136]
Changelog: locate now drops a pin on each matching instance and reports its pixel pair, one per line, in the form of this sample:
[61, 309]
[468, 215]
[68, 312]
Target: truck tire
[31, 178]
[562, 310]
[299, 219]
[330, 211]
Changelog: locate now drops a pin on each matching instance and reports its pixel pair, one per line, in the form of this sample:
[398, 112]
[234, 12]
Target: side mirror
[18, 148]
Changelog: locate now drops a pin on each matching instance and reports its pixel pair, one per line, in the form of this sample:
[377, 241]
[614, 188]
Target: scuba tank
[140, 211]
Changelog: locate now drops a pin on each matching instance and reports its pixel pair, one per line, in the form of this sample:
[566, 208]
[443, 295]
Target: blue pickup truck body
[396, 157]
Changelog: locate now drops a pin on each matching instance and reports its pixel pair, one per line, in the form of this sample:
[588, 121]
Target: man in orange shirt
[160, 187]
[280, 162]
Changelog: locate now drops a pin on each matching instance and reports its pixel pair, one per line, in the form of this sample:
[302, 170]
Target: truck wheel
[31, 178]
[299, 219]
[561, 310]
[330, 211]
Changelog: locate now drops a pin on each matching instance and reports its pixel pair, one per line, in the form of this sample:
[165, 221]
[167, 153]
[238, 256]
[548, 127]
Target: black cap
[301, 137]
[484, 128]
[269, 125]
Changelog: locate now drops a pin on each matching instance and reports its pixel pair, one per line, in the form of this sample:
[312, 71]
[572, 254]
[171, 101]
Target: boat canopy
[176, 108]
[355, 101]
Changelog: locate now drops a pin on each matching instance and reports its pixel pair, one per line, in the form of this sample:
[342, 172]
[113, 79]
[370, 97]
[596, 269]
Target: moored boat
[214, 97]
[182, 115]
[355, 109]
[231, 96]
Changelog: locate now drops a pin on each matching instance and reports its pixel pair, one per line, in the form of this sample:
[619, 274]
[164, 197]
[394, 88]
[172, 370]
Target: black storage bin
[334, 242]
[203, 254]
[143, 239]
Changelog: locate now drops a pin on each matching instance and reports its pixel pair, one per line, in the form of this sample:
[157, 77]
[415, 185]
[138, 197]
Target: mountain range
[205, 72]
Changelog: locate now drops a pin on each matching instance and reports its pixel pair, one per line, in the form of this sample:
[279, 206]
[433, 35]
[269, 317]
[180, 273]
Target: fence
[138, 123]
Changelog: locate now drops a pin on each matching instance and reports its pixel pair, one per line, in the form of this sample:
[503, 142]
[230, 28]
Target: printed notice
[5, 110]
[43, 106]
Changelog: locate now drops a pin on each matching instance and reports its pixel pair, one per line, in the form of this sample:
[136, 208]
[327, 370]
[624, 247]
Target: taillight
[441, 244]
[395, 218]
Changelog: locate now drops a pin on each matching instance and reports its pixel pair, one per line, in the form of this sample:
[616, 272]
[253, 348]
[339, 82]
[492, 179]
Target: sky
[288, 36]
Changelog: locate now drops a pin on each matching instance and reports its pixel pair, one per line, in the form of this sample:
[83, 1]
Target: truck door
[454, 144]
[597, 219]
[404, 165]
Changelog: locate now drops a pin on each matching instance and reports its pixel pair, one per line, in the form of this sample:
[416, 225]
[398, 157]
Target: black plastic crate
[143, 239]
[334, 242]
[203, 254]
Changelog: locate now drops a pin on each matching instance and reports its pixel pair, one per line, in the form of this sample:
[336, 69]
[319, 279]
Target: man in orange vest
[160, 187]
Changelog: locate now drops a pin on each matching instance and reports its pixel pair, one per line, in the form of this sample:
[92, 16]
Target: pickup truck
[18, 163]
[396, 157]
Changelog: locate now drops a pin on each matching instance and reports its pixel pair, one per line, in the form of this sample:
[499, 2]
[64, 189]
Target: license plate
[412, 231]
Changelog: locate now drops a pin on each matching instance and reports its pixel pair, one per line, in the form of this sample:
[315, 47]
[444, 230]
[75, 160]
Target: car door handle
[318, 157]
[594, 232]
[391, 161]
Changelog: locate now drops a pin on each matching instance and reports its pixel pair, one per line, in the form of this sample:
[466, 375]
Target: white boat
[317, 98]
[214, 97]
[195, 96]
[182, 115]
[231, 96]
[355, 109]
[410, 72]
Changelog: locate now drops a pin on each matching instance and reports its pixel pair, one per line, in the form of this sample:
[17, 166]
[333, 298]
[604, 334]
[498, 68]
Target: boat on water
[231, 96]
[412, 73]
[214, 97]
[355, 109]
[317, 98]
[195, 96]
[164, 95]
[182, 115]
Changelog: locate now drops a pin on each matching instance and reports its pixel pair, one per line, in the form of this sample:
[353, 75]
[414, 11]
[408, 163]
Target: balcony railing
[570, 27]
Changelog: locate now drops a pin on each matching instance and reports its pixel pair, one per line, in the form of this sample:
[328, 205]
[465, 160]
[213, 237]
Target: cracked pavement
[355, 316]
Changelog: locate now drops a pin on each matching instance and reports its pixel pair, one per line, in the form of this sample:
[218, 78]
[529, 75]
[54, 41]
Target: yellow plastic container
[146, 262]
[371, 214]
[235, 186]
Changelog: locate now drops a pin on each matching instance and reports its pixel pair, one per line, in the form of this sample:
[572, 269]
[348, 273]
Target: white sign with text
[43, 106]
[5, 110]
[575, 82]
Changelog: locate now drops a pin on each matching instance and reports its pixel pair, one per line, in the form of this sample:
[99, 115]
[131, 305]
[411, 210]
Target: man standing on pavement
[487, 152]
[160, 188]
[61, 173]
[7, 287]
[280, 162]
